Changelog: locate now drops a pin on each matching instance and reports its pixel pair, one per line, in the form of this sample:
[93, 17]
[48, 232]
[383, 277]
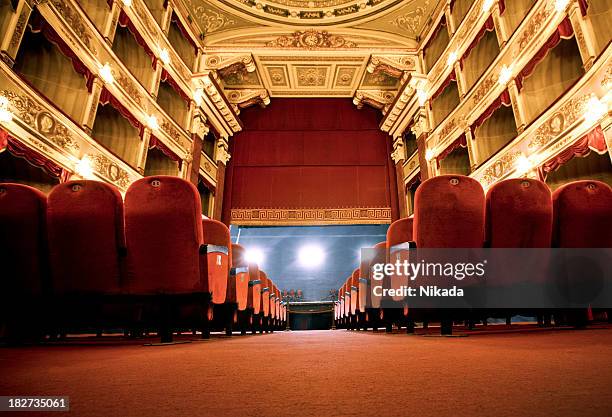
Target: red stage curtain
[18, 149]
[461, 141]
[309, 153]
[156, 143]
[594, 140]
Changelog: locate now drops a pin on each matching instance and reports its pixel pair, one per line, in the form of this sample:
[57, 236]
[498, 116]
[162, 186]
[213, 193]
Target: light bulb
[164, 55]
[594, 110]
[107, 74]
[505, 75]
[152, 122]
[84, 168]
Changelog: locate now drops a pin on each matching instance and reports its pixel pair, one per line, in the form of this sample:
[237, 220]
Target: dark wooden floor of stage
[537, 373]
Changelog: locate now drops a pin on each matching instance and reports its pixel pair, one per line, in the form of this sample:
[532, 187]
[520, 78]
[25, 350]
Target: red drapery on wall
[310, 154]
[451, 77]
[594, 140]
[461, 141]
[166, 77]
[564, 31]
[184, 31]
[156, 143]
[503, 99]
[124, 21]
[107, 98]
[18, 149]
[489, 26]
[40, 25]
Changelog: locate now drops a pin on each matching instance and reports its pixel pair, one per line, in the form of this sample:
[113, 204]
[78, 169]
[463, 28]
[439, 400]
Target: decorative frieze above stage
[295, 217]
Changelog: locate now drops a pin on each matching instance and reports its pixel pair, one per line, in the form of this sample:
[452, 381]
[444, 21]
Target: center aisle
[322, 373]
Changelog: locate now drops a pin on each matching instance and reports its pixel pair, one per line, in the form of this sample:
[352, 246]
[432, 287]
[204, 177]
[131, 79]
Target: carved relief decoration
[42, 121]
[311, 216]
[311, 39]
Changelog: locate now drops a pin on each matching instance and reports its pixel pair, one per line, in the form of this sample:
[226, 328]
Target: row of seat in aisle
[452, 211]
[84, 259]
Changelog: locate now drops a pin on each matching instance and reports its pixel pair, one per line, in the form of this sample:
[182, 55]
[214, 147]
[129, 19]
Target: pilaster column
[91, 105]
[144, 149]
[399, 156]
[110, 25]
[166, 19]
[153, 88]
[585, 36]
[501, 27]
[222, 156]
[421, 131]
[472, 151]
[461, 84]
[11, 39]
[199, 130]
[518, 106]
[450, 20]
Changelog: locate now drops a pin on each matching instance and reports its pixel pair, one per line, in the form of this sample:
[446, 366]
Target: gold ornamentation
[558, 122]
[44, 122]
[311, 76]
[211, 20]
[76, 23]
[311, 39]
[110, 170]
[367, 215]
[130, 89]
[412, 20]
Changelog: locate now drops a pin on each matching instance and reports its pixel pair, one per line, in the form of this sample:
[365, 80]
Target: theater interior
[199, 198]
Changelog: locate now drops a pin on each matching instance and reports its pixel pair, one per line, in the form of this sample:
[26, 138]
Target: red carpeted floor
[541, 373]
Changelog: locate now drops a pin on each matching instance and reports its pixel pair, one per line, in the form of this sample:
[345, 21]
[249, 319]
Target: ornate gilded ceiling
[362, 49]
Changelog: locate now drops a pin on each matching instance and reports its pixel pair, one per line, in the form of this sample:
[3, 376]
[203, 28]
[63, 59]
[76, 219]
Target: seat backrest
[347, 296]
[265, 293]
[86, 237]
[23, 249]
[216, 237]
[163, 228]
[398, 236]
[379, 256]
[449, 213]
[355, 307]
[583, 215]
[519, 214]
[239, 288]
[255, 286]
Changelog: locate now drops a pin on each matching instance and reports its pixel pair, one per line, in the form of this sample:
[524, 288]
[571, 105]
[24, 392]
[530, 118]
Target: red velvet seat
[355, 306]
[272, 301]
[379, 257]
[399, 236]
[23, 245]
[254, 300]
[341, 297]
[239, 288]
[583, 215]
[347, 298]
[86, 237]
[449, 213]
[265, 293]
[163, 227]
[23, 254]
[519, 214]
[582, 219]
[216, 238]
[163, 230]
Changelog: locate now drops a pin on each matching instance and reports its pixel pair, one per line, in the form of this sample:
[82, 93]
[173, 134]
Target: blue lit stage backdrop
[313, 259]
